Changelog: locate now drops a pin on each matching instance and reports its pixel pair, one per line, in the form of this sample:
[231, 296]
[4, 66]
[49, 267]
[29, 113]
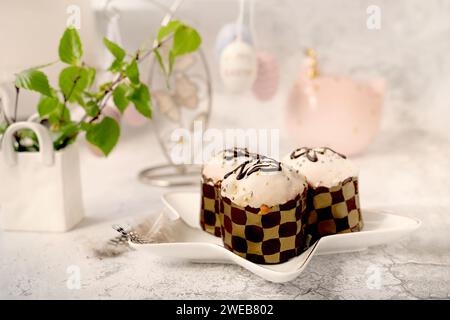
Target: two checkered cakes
[209, 213]
[274, 237]
[334, 210]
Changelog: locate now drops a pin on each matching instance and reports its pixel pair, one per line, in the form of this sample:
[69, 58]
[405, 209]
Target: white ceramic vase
[39, 191]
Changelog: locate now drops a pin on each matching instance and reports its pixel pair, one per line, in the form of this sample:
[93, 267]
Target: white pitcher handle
[45, 142]
[34, 118]
[5, 102]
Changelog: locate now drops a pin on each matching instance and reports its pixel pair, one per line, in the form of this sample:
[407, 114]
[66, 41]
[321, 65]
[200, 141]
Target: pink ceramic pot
[337, 112]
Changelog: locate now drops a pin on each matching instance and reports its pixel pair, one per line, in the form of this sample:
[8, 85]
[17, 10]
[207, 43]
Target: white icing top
[321, 166]
[273, 184]
[224, 162]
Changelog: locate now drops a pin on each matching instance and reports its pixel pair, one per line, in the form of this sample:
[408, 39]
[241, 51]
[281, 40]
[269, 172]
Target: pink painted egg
[267, 77]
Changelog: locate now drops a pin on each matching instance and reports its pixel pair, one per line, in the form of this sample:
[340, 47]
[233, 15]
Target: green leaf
[70, 47]
[3, 127]
[91, 76]
[140, 97]
[171, 61]
[91, 94]
[27, 141]
[104, 134]
[34, 80]
[160, 61]
[116, 66]
[132, 72]
[26, 133]
[105, 86]
[185, 40]
[120, 96]
[73, 81]
[80, 101]
[42, 66]
[55, 111]
[60, 116]
[92, 108]
[115, 49]
[84, 126]
[66, 136]
[47, 105]
[168, 29]
[65, 114]
[117, 52]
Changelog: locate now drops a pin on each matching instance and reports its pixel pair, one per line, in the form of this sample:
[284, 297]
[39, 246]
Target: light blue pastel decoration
[228, 33]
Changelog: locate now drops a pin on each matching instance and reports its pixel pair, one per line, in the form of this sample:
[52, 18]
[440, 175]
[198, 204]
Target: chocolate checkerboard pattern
[271, 238]
[333, 210]
[209, 212]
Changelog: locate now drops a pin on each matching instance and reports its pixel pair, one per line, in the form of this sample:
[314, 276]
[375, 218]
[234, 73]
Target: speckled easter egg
[267, 78]
[238, 67]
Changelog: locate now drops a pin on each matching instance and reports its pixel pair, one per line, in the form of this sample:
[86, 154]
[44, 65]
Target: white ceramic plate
[194, 244]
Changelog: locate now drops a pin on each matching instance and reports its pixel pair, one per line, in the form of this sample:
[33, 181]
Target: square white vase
[39, 191]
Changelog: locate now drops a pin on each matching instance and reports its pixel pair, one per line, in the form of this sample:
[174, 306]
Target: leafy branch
[76, 81]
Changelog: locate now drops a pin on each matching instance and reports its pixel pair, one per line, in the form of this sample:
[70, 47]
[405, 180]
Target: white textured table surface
[406, 172]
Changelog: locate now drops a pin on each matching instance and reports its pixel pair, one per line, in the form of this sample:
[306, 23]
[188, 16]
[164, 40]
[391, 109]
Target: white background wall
[410, 50]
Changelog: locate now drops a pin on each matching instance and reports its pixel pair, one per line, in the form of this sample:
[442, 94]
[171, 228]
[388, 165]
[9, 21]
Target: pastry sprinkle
[263, 210]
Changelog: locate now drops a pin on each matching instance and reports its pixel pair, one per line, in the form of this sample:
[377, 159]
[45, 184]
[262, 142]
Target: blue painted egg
[228, 33]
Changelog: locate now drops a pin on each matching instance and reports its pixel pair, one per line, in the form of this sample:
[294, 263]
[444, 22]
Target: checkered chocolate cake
[269, 238]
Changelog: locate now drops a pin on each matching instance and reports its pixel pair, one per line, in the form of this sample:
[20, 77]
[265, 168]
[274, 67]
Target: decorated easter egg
[267, 77]
[238, 66]
[229, 33]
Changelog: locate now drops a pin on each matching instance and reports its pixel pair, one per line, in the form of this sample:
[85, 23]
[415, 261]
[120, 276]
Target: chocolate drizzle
[311, 154]
[262, 164]
[230, 154]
